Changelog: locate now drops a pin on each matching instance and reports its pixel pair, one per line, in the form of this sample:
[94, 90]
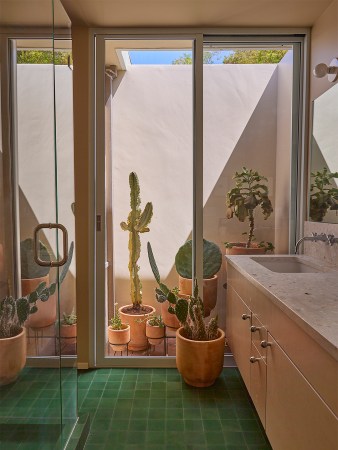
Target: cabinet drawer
[296, 417]
[258, 382]
[258, 334]
[238, 332]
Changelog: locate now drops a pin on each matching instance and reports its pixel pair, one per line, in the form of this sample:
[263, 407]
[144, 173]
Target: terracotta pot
[138, 339]
[240, 249]
[69, 333]
[118, 339]
[199, 362]
[46, 313]
[170, 320]
[155, 334]
[209, 291]
[12, 357]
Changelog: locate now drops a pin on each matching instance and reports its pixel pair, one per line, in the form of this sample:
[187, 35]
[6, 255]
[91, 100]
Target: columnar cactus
[137, 223]
[190, 313]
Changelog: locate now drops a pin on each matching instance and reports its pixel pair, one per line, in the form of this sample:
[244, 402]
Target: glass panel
[247, 140]
[149, 131]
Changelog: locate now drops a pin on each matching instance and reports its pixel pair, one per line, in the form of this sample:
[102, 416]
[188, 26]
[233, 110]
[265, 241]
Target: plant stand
[125, 345]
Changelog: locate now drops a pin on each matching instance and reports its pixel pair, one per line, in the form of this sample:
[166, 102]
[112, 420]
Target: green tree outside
[238, 57]
[43, 57]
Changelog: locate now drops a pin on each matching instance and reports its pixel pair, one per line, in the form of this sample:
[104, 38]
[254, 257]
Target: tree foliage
[238, 57]
[254, 57]
[43, 57]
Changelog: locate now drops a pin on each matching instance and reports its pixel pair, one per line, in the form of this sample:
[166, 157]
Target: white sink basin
[287, 264]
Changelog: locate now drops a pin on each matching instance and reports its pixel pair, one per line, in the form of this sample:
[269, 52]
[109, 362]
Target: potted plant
[242, 200]
[118, 332]
[323, 196]
[68, 327]
[164, 295]
[199, 346]
[14, 314]
[155, 329]
[32, 275]
[137, 223]
[212, 261]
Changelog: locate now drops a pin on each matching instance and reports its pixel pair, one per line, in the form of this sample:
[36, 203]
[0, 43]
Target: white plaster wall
[36, 161]
[152, 135]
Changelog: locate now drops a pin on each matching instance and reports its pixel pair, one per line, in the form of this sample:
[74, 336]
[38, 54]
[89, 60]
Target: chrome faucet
[329, 239]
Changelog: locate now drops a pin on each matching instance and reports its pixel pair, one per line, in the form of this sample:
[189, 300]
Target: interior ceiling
[163, 13]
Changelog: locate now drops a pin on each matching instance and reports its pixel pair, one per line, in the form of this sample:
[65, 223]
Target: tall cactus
[137, 223]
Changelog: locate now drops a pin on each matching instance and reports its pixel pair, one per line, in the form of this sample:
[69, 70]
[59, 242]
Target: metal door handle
[37, 259]
[253, 359]
[253, 328]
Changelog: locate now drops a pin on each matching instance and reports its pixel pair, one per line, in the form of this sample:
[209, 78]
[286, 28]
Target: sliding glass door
[189, 116]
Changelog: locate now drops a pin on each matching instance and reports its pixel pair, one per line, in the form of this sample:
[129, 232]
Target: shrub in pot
[212, 261]
[137, 223]
[241, 201]
[118, 332]
[323, 194]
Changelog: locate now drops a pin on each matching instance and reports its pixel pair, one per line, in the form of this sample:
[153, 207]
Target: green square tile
[254, 437]
[156, 425]
[214, 438]
[100, 425]
[126, 393]
[233, 438]
[159, 385]
[121, 413]
[174, 413]
[230, 425]
[212, 425]
[198, 437]
[245, 413]
[175, 425]
[136, 437]
[157, 394]
[99, 385]
[156, 413]
[193, 425]
[174, 403]
[249, 425]
[155, 437]
[143, 385]
[110, 393]
[227, 413]
[191, 413]
[139, 413]
[94, 393]
[106, 403]
[138, 424]
[119, 424]
[142, 393]
[141, 402]
[157, 403]
[210, 414]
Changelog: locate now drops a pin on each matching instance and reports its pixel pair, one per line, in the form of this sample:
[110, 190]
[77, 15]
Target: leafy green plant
[14, 312]
[155, 321]
[137, 223]
[323, 196]
[212, 259]
[249, 193]
[69, 319]
[189, 312]
[29, 268]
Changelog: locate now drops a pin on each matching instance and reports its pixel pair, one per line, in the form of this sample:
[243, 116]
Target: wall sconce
[332, 71]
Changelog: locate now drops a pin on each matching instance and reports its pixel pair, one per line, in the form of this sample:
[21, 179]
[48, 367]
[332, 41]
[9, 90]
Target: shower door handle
[37, 259]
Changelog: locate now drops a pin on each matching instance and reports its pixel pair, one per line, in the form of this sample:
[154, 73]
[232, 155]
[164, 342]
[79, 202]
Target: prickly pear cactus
[212, 259]
[29, 268]
[137, 223]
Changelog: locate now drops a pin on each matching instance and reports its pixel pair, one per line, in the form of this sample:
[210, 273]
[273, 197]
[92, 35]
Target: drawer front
[239, 283]
[238, 332]
[296, 417]
[317, 366]
[258, 382]
[259, 334]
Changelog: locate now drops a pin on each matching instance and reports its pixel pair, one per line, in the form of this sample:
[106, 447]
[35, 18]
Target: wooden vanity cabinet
[296, 417]
[295, 400]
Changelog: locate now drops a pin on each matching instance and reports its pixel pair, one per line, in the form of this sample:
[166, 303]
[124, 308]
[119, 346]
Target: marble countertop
[310, 299]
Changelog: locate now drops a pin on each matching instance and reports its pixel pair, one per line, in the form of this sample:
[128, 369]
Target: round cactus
[212, 259]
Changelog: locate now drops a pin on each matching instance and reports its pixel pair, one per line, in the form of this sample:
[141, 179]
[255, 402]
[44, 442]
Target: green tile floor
[154, 409]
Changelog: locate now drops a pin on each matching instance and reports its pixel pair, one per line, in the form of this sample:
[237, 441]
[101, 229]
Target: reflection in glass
[324, 158]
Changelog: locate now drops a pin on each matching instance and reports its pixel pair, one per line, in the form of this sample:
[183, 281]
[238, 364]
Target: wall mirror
[323, 192]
